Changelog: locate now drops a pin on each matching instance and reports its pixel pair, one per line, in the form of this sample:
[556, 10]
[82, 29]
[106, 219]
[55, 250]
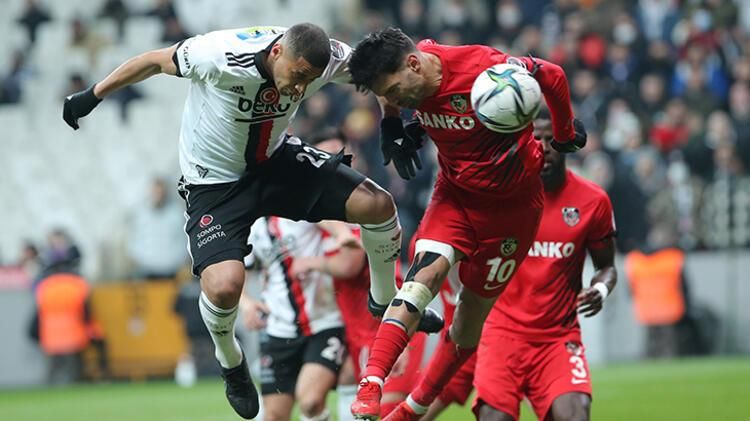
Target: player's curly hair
[381, 52]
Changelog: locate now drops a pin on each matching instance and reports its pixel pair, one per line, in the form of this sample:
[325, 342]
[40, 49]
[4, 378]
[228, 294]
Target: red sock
[444, 364]
[389, 343]
[386, 408]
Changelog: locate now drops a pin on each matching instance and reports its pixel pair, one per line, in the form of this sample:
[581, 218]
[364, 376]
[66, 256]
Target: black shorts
[282, 359]
[298, 182]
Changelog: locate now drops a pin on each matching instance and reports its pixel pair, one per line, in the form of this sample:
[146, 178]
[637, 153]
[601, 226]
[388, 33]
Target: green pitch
[706, 389]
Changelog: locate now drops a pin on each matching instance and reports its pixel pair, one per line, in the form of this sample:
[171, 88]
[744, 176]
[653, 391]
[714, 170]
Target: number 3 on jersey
[500, 272]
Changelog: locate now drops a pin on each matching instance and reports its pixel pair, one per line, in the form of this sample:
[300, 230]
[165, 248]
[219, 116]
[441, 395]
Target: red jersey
[470, 155]
[540, 302]
[351, 298]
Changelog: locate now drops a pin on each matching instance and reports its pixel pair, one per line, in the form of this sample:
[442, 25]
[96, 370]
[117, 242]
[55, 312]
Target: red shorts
[494, 233]
[510, 368]
[406, 371]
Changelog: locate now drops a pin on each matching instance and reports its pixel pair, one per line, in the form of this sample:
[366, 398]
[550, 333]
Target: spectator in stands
[86, 39]
[739, 109]
[173, 31]
[670, 130]
[726, 210]
[162, 10]
[677, 205]
[651, 98]
[155, 235]
[11, 86]
[123, 97]
[30, 260]
[31, 18]
[119, 13]
[76, 83]
[411, 18]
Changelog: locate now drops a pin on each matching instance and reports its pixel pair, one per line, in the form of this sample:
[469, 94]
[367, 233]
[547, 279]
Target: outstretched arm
[136, 69]
[554, 85]
[132, 71]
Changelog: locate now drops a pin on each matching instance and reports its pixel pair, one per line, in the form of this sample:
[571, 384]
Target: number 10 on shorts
[500, 272]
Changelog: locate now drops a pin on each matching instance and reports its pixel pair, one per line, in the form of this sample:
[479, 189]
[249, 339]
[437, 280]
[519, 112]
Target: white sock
[347, 393]
[220, 324]
[382, 243]
[417, 408]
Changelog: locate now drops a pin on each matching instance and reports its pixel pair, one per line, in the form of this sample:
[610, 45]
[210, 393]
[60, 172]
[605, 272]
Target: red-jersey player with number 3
[531, 342]
[486, 204]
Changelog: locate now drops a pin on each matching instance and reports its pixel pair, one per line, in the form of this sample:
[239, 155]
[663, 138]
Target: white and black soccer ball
[506, 98]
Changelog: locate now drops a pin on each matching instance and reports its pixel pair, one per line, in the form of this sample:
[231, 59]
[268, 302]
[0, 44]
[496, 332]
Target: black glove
[575, 144]
[400, 144]
[78, 105]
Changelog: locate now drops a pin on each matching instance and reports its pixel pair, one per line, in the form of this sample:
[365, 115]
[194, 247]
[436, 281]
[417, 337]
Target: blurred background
[663, 87]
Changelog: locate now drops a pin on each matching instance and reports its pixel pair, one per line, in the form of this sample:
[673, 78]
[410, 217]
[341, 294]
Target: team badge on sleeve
[459, 103]
[508, 246]
[571, 216]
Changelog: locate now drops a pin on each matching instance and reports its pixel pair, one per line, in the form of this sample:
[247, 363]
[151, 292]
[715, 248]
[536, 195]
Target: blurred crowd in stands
[663, 87]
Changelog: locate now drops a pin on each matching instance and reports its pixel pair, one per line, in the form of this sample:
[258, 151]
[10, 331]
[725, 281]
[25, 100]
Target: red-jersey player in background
[483, 174]
[531, 342]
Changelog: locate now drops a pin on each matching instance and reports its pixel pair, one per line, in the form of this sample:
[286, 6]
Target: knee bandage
[414, 295]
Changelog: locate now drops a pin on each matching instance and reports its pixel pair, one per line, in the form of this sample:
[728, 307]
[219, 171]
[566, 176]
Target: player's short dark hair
[381, 52]
[327, 133]
[310, 42]
[544, 114]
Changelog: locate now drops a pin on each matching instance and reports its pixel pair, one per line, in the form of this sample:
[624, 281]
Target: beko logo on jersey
[444, 121]
[551, 249]
[268, 103]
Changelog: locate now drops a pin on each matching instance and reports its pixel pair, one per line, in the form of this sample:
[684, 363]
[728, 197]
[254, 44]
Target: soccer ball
[506, 98]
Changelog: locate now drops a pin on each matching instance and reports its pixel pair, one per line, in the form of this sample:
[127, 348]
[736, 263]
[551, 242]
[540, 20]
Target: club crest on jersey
[459, 103]
[574, 348]
[206, 220]
[269, 95]
[508, 246]
[571, 216]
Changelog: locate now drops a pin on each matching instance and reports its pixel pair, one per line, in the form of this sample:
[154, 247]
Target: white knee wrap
[416, 294]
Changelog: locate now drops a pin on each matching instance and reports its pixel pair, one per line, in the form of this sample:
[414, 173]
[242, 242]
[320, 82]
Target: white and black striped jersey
[299, 307]
[234, 117]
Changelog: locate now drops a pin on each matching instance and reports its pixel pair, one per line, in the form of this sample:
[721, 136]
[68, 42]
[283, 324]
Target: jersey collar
[261, 55]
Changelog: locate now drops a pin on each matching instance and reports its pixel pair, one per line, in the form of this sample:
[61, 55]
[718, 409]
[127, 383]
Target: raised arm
[134, 70]
[569, 134]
